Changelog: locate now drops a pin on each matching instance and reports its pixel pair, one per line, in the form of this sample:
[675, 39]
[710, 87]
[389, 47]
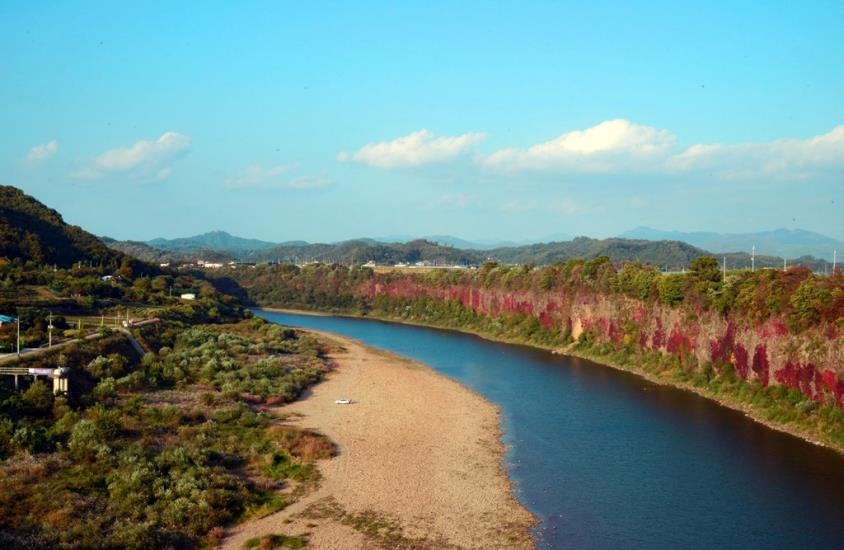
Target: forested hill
[658, 253]
[30, 230]
[667, 254]
[213, 240]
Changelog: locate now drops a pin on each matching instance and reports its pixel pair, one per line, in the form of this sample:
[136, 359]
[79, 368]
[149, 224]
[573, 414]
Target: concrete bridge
[59, 376]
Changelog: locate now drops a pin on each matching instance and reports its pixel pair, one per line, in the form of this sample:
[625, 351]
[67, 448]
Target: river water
[608, 460]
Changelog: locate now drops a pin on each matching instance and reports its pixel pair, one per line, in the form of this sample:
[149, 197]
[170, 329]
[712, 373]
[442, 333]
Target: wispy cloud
[145, 160]
[257, 176]
[564, 205]
[42, 152]
[415, 149]
[453, 200]
[782, 158]
[621, 147]
[274, 177]
[308, 183]
[613, 145]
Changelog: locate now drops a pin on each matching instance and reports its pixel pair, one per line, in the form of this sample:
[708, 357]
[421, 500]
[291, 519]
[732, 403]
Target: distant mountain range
[30, 230]
[463, 244]
[785, 243]
[672, 255]
[674, 251]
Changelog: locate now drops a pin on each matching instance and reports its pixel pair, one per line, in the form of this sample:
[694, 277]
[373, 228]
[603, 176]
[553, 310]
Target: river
[608, 460]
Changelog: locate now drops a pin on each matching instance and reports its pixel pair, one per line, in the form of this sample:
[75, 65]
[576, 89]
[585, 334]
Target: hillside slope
[30, 230]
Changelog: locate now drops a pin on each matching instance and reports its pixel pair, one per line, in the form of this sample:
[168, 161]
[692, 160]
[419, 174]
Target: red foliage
[760, 364]
[658, 338]
[677, 342]
[788, 375]
[475, 299]
[739, 361]
[546, 320]
[806, 377]
[721, 349]
[772, 328]
[829, 380]
[795, 375]
[639, 315]
[616, 333]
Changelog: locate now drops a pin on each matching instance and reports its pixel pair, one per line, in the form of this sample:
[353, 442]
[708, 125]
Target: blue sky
[484, 120]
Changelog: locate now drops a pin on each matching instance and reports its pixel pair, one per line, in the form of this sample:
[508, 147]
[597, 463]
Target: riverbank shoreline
[420, 461]
[725, 401]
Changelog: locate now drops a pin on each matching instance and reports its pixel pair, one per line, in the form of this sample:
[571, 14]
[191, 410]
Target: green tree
[706, 269]
[38, 396]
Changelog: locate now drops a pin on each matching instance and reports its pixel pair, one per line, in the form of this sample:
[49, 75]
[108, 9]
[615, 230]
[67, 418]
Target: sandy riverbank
[420, 462]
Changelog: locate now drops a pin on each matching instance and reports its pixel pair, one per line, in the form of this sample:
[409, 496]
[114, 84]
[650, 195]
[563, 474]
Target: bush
[38, 397]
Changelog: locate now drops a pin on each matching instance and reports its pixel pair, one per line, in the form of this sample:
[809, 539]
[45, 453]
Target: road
[34, 352]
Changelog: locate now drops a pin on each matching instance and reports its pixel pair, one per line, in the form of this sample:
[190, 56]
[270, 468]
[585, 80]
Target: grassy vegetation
[159, 451]
[269, 542]
[162, 452]
[381, 530]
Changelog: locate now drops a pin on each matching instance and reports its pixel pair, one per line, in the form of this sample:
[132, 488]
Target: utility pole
[724, 276]
[784, 264]
[50, 331]
[19, 333]
[834, 257]
[753, 259]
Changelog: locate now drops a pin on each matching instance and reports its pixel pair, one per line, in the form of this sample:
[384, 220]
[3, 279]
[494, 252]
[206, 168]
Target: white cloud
[308, 183]
[782, 158]
[564, 205]
[415, 149]
[145, 160]
[257, 176]
[621, 147]
[275, 177]
[453, 200]
[612, 145]
[42, 152]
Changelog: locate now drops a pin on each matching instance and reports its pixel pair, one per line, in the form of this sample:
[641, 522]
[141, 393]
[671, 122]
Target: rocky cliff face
[766, 351]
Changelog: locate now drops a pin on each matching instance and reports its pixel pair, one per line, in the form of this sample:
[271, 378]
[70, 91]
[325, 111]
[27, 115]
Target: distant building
[188, 296]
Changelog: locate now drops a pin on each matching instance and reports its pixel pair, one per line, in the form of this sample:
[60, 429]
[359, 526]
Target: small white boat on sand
[343, 401]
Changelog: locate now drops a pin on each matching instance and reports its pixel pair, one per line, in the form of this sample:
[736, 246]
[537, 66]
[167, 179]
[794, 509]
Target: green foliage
[705, 269]
[38, 397]
[670, 288]
[29, 231]
[153, 468]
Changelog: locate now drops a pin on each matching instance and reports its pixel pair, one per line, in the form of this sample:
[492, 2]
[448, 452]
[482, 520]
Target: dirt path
[420, 463]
